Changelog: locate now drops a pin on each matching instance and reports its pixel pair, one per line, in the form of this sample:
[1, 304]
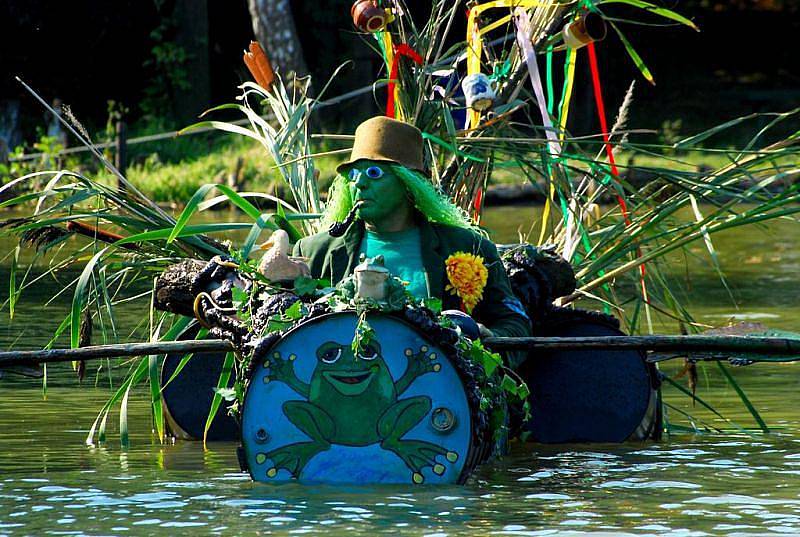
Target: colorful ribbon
[475, 43]
[523, 23]
[601, 114]
[566, 97]
[399, 51]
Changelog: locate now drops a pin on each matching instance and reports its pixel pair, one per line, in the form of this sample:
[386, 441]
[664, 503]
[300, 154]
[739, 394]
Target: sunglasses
[373, 172]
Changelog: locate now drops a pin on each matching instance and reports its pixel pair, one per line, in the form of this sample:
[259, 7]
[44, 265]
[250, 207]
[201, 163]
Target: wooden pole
[710, 347]
[11, 358]
[740, 344]
[121, 146]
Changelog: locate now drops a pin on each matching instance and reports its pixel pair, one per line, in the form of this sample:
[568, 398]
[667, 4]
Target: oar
[774, 349]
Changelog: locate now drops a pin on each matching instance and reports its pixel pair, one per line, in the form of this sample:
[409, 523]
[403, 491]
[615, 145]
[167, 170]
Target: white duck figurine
[276, 264]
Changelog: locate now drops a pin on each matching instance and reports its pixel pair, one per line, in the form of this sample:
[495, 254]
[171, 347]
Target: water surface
[712, 484]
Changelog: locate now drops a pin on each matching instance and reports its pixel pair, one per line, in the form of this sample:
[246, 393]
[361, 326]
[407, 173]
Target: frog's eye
[374, 172]
[368, 353]
[331, 354]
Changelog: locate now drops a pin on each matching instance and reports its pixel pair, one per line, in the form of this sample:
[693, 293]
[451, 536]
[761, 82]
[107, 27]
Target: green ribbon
[550, 92]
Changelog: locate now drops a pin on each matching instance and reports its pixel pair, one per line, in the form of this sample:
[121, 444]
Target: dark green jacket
[334, 258]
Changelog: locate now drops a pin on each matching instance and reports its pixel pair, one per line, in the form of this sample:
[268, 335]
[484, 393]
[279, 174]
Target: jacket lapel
[344, 256]
[432, 258]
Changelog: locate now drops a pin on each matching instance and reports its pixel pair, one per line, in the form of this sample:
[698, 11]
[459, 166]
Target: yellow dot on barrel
[408, 352]
[452, 456]
[417, 478]
[438, 469]
[424, 348]
[276, 354]
[266, 379]
[292, 357]
[437, 367]
[432, 356]
[261, 458]
[272, 472]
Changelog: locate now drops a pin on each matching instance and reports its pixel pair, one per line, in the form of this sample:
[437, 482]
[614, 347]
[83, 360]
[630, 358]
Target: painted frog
[353, 400]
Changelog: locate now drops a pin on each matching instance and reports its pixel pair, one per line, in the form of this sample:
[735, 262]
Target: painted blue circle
[318, 438]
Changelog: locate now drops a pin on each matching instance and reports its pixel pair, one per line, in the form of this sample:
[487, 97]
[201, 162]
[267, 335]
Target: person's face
[381, 193]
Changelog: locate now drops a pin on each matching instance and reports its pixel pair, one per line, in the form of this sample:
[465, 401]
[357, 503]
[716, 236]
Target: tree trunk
[191, 18]
[10, 135]
[274, 28]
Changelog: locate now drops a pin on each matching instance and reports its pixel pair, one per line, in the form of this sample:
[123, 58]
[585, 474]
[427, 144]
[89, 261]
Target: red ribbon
[399, 50]
[477, 206]
[601, 114]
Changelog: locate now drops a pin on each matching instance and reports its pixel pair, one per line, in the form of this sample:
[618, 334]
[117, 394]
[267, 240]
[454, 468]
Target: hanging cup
[587, 28]
[368, 17]
[479, 91]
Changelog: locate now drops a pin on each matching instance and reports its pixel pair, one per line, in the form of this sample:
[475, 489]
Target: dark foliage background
[153, 58]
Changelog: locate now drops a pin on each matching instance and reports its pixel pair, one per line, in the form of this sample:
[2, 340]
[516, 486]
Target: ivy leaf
[523, 392]
[526, 411]
[295, 311]
[433, 304]
[239, 297]
[508, 384]
[481, 355]
[364, 333]
[304, 285]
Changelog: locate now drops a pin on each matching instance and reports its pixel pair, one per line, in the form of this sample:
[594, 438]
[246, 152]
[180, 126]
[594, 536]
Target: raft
[287, 433]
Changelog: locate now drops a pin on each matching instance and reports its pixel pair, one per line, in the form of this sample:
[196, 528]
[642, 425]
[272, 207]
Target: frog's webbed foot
[422, 361]
[314, 422]
[419, 363]
[416, 454]
[292, 457]
[280, 369]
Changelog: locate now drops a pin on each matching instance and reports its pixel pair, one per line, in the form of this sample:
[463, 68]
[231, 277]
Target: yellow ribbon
[564, 112]
[388, 48]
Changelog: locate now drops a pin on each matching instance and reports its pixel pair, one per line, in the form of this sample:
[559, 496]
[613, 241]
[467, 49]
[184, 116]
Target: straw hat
[387, 140]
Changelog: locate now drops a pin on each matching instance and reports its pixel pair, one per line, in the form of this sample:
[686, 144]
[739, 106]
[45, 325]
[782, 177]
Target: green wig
[428, 200]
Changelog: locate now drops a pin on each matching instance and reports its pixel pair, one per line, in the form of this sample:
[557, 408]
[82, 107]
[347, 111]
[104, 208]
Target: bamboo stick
[721, 344]
[713, 347]
[11, 358]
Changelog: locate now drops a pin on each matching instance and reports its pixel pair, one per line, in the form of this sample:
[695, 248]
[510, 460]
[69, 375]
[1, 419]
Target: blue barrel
[393, 411]
[590, 395]
[187, 396]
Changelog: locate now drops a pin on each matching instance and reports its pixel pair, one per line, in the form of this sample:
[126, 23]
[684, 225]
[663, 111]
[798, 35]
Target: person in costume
[424, 238]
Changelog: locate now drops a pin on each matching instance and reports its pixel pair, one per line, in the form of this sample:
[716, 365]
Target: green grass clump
[177, 182]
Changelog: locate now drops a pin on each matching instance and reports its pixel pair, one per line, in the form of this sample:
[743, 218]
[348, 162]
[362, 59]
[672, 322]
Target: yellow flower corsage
[467, 276]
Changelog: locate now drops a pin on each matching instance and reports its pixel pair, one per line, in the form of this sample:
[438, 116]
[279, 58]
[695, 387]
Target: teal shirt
[402, 254]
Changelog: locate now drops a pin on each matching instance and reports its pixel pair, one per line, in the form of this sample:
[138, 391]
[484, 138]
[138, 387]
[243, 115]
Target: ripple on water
[637, 483]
